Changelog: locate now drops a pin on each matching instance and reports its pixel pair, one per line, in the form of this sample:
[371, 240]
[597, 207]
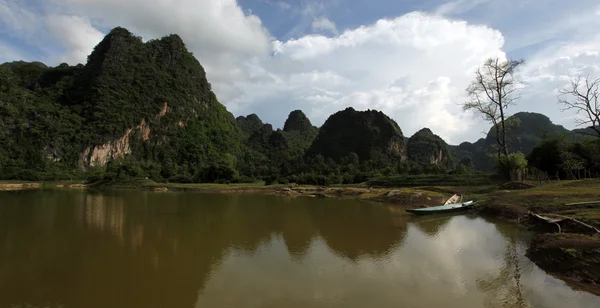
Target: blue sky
[411, 59]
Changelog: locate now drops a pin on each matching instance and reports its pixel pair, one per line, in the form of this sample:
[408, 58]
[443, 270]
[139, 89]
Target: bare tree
[584, 98]
[492, 92]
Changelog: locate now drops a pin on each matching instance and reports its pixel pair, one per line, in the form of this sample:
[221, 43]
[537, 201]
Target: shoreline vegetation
[573, 254]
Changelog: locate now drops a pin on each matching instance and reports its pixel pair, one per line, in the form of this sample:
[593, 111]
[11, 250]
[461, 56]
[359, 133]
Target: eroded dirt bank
[566, 223]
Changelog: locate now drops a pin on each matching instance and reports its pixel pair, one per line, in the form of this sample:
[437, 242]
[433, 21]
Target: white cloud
[206, 25]
[361, 68]
[77, 35]
[550, 69]
[279, 4]
[458, 6]
[576, 26]
[324, 24]
[16, 19]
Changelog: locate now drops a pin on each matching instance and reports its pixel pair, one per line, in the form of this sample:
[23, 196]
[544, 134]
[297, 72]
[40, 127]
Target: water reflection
[142, 249]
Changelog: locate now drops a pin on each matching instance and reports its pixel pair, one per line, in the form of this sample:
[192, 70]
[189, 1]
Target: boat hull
[447, 208]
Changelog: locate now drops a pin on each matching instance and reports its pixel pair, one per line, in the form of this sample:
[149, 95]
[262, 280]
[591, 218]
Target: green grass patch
[434, 180]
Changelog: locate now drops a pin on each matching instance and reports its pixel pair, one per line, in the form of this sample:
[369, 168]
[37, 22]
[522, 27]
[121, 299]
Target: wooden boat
[454, 204]
[457, 198]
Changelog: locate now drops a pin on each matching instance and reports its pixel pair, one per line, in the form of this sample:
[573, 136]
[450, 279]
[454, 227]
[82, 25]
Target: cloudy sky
[411, 59]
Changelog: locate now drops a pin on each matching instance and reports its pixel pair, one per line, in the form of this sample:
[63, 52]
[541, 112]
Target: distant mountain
[271, 152]
[424, 147]
[369, 134]
[297, 121]
[249, 124]
[582, 133]
[526, 130]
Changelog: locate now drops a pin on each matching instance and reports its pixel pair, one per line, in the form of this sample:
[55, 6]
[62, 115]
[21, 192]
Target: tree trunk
[504, 145]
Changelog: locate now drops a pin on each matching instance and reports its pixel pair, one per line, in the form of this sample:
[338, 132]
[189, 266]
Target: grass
[146, 184]
[552, 198]
[477, 179]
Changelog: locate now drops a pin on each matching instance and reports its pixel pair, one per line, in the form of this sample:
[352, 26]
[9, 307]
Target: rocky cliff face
[425, 147]
[369, 134]
[100, 155]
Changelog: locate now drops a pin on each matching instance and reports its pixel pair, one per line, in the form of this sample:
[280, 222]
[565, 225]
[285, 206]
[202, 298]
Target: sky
[411, 59]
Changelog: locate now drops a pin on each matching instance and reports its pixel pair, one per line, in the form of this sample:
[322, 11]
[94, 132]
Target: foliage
[48, 116]
[370, 134]
[526, 130]
[567, 159]
[433, 180]
[426, 148]
[297, 121]
[512, 165]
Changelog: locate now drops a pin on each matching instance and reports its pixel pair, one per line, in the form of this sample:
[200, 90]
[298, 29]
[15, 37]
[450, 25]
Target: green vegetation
[49, 116]
[426, 148]
[140, 110]
[435, 180]
[370, 134]
[561, 158]
[526, 130]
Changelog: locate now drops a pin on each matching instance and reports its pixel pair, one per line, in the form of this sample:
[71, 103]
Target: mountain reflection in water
[143, 249]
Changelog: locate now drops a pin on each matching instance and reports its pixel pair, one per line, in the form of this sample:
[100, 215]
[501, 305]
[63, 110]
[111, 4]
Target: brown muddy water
[143, 249]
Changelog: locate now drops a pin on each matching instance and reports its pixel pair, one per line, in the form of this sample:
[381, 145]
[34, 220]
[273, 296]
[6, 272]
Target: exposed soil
[18, 186]
[564, 247]
[402, 197]
[574, 257]
[508, 212]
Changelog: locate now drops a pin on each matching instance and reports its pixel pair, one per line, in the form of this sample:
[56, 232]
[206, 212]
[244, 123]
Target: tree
[584, 97]
[492, 92]
[512, 166]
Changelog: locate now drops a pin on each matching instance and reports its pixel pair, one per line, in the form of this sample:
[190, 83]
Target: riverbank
[566, 245]
[409, 197]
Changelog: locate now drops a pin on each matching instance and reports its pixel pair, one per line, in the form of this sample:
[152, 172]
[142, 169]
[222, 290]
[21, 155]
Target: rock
[78, 186]
[286, 189]
[160, 189]
[4, 186]
[394, 192]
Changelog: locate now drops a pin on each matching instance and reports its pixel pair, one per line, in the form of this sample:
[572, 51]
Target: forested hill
[146, 102]
[427, 148]
[525, 131]
[146, 110]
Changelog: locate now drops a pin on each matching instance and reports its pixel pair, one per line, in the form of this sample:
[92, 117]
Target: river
[126, 249]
